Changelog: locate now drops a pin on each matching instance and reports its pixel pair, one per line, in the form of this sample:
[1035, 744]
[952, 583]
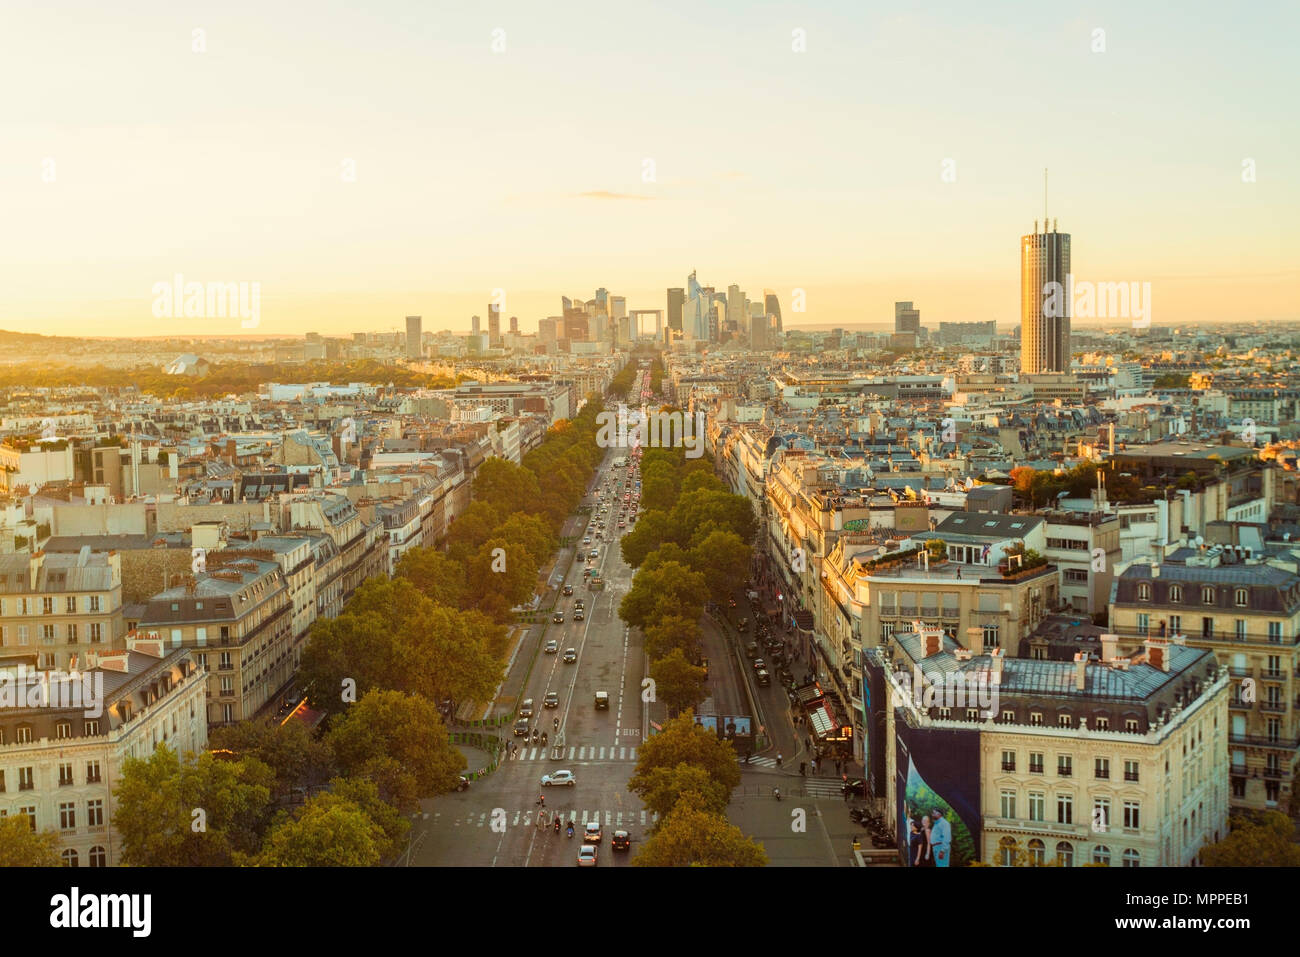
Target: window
[22, 634]
[1144, 592]
[1008, 761]
[1101, 855]
[1132, 858]
[1242, 597]
[1101, 814]
[1101, 723]
[1175, 592]
[70, 604]
[2, 782]
[92, 772]
[1064, 765]
[23, 735]
[92, 728]
[1132, 815]
[1036, 849]
[1207, 594]
[1064, 721]
[95, 812]
[1275, 631]
[1143, 623]
[1007, 851]
[93, 602]
[1130, 724]
[67, 816]
[97, 857]
[47, 606]
[48, 634]
[1036, 717]
[227, 713]
[1101, 768]
[72, 634]
[63, 729]
[30, 812]
[1035, 762]
[1065, 853]
[65, 774]
[96, 631]
[1008, 716]
[1037, 805]
[1008, 804]
[1064, 809]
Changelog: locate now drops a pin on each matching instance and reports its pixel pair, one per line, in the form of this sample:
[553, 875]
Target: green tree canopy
[678, 683]
[295, 756]
[20, 846]
[438, 576]
[692, 836]
[328, 832]
[671, 585]
[682, 741]
[671, 633]
[1267, 842]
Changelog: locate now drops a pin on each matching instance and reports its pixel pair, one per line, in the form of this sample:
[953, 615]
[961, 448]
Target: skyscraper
[494, 325]
[676, 299]
[514, 325]
[473, 325]
[773, 308]
[1045, 290]
[414, 347]
[907, 319]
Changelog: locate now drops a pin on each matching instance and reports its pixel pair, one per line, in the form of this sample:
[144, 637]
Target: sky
[365, 162]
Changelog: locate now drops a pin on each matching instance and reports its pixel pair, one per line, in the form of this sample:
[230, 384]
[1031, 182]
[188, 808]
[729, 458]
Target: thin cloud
[606, 194]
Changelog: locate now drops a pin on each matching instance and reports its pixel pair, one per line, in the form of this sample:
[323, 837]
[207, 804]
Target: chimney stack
[1158, 653]
[1080, 671]
[975, 639]
[998, 659]
[1109, 647]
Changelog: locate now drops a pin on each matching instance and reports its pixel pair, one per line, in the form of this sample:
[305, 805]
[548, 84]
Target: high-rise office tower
[514, 325]
[473, 325]
[414, 347]
[494, 325]
[549, 329]
[773, 308]
[735, 309]
[676, 299]
[602, 298]
[907, 319]
[1044, 307]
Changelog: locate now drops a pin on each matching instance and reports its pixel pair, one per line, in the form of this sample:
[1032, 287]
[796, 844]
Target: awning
[822, 720]
[809, 695]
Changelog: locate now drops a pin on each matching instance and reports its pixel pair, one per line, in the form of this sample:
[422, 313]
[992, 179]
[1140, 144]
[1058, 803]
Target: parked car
[751, 649]
[552, 647]
[559, 779]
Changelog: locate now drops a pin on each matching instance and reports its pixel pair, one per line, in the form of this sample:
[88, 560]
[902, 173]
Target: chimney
[1158, 653]
[34, 569]
[931, 640]
[1080, 671]
[1109, 647]
[975, 639]
[998, 659]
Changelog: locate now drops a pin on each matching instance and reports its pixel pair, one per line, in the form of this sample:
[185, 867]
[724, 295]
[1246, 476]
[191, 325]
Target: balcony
[1241, 672]
[1238, 705]
[1008, 765]
[1239, 770]
[1064, 772]
[1274, 675]
[1260, 740]
[1273, 774]
[1275, 707]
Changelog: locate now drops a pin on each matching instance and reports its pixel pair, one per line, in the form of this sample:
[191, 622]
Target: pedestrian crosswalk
[759, 762]
[530, 817]
[577, 753]
[814, 787]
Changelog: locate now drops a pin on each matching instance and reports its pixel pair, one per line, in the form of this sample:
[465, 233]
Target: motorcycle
[535, 737]
[776, 792]
[543, 738]
[570, 830]
[557, 824]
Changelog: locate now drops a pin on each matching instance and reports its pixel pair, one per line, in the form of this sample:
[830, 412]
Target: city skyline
[352, 218]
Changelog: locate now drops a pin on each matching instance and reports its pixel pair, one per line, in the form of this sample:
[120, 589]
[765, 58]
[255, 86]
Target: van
[602, 700]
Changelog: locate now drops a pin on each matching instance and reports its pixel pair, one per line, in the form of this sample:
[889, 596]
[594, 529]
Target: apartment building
[1110, 759]
[59, 765]
[1248, 614]
[238, 619]
[57, 606]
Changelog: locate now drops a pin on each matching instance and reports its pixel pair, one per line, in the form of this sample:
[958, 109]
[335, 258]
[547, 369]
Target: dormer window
[1175, 592]
[1242, 597]
[1207, 595]
[1144, 592]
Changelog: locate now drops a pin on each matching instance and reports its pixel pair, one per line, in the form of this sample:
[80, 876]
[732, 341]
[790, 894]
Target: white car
[558, 778]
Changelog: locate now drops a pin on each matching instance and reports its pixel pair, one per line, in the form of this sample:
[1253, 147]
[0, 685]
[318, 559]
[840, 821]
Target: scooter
[570, 830]
[543, 738]
[776, 793]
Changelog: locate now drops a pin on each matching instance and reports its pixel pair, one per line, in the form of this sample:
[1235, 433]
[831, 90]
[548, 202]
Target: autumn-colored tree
[502, 575]
[1268, 841]
[683, 741]
[692, 836]
[662, 788]
[20, 846]
[723, 559]
[508, 487]
[678, 683]
[671, 633]
[667, 552]
[438, 576]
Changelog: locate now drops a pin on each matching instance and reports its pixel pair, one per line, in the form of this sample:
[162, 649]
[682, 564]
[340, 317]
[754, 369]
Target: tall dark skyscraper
[773, 308]
[676, 298]
[907, 319]
[514, 325]
[414, 347]
[494, 325]
[1045, 308]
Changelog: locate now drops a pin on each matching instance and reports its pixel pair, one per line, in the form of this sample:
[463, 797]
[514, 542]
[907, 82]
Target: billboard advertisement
[937, 790]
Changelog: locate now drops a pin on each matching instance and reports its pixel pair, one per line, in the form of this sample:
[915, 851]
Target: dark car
[855, 788]
[759, 664]
[521, 728]
[568, 589]
[621, 841]
[764, 679]
[570, 655]
[558, 618]
[552, 700]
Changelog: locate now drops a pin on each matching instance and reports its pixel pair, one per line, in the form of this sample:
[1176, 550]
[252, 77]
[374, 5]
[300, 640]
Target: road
[494, 823]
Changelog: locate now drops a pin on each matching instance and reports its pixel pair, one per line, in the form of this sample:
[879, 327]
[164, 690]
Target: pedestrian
[778, 759]
[846, 793]
[803, 766]
[940, 838]
[814, 766]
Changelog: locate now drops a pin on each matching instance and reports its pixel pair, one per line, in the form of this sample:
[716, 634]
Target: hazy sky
[523, 169]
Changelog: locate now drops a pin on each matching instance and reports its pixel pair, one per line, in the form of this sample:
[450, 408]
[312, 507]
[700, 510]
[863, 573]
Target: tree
[1022, 480]
[326, 833]
[295, 756]
[399, 742]
[532, 532]
[500, 580]
[507, 487]
[658, 492]
[683, 741]
[1266, 842]
[438, 576]
[20, 846]
[672, 585]
[365, 795]
[701, 481]
[678, 683]
[723, 559]
[651, 530]
[732, 512]
[671, 633]
[179, 812]
[667, 552]
[471, 528]
[693, 837]
[664, 787]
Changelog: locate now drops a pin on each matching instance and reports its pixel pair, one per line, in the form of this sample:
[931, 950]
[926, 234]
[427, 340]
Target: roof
[986, 525]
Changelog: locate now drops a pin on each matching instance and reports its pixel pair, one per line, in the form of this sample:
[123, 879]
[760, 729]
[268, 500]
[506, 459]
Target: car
[759, 664]
[594, 553]
[552, 700]
[579, 603]
[622, 524]
[621, 841]
[587, 540]
[568, 589]
[578, 615]
[526, 708]
[552, 647]
[587, 856]
[559, 779]
[521, 728]
[751, 649]
[602, 700]
[570, 655]
[462, 784]
[591, 833]
[855, 788]
[764, 679]
[558, 618]
[731, 603]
